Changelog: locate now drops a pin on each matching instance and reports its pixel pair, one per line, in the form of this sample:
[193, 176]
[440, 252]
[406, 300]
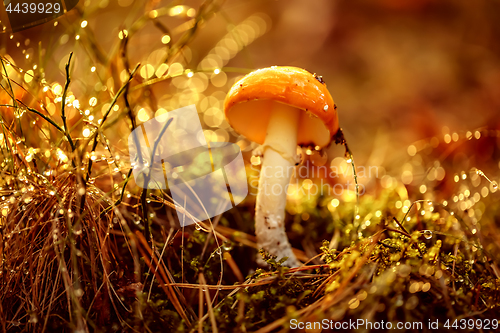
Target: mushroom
[280, 107]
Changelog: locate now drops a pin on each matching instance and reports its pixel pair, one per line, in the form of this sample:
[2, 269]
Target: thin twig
[401, 226]
[147, 229]
[59, 128]
[63, 104]
[120, 199]
[12, 95]
[340, 139]
[97, 131]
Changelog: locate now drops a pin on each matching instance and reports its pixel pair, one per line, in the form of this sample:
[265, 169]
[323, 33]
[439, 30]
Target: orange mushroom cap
[248, 104]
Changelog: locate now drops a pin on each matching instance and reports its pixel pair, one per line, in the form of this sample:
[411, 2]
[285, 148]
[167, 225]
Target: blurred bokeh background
[413, 80]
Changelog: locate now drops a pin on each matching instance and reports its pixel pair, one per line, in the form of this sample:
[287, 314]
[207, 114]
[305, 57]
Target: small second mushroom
[279, 108]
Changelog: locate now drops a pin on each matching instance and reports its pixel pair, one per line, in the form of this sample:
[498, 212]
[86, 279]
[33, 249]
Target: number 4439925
[40, 8]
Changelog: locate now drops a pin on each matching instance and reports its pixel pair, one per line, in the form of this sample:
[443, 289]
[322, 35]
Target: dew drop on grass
[427, 234]
[77, 230]
[33, 318]
[197, 226]
[494, 184]
[218, 251]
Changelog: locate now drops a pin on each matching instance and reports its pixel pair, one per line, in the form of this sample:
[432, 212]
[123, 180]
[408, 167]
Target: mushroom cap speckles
[249, 103]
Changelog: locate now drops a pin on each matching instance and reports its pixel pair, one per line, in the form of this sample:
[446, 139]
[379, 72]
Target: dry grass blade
[161, 275]
[44, 244]
[209, 303]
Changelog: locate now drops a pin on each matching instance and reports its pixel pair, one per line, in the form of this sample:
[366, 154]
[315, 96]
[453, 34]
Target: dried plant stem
[147, 227]
[340, 139]
[402, 227]
[161, 274]
[11, 91]
[99, 129]
[122, 193]
[210, 309]
[47, 118]
[63, 105]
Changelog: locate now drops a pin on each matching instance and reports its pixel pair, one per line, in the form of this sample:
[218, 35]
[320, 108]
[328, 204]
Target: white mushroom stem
[278, 163]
